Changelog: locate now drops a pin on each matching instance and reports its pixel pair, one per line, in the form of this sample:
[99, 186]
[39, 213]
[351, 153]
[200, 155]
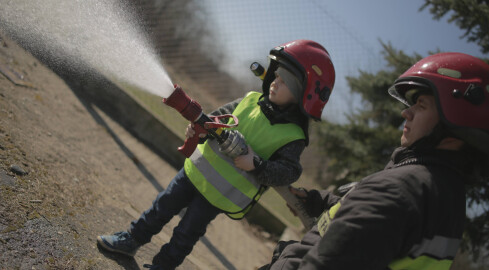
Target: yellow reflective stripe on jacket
[436, 253]
[420, 263]
[438, 247]
[430, 254]
[325, 219]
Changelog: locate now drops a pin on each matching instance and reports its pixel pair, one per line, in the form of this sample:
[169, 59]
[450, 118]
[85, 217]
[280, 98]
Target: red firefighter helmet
[460, 84]
[311, 64]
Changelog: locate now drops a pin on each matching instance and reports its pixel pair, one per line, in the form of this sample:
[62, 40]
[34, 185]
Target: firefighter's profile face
[421, 118]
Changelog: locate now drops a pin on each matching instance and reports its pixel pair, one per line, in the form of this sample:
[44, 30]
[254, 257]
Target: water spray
[105, 36]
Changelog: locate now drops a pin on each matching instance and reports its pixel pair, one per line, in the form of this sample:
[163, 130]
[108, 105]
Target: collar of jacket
[275, 115]
[291, 114]
[459, 161]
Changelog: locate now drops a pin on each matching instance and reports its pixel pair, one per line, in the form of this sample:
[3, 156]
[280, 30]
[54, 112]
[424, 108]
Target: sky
[246, 31]
[350, 30]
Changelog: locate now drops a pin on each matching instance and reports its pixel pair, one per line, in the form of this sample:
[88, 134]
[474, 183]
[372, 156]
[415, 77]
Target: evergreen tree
[469, 15]
[364, 145]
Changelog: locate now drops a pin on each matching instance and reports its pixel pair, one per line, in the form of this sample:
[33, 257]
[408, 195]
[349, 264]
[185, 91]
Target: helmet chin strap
[433, 139]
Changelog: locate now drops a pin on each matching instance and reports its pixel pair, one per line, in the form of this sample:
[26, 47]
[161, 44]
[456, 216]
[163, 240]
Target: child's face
[280, 93]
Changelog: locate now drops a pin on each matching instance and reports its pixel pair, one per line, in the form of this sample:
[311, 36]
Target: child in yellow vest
[297, 86]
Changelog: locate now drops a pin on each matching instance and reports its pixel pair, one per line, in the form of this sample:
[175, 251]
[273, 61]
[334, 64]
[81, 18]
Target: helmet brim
[401, 87]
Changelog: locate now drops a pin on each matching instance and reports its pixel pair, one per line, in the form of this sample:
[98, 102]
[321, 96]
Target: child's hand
[190, 132]
[245, 162]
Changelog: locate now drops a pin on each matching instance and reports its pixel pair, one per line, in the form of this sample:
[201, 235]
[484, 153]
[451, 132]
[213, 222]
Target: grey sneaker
[120, 242]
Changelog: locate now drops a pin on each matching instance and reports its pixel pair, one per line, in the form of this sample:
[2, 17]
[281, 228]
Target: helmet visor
[408, 92]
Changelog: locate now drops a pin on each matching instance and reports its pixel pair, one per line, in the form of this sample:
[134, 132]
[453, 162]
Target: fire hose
[231, 142]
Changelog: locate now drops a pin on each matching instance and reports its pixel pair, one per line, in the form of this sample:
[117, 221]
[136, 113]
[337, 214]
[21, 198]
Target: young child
[297, 86]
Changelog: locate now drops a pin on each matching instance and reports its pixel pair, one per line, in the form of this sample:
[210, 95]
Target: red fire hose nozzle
[187, 107]
[192, 111]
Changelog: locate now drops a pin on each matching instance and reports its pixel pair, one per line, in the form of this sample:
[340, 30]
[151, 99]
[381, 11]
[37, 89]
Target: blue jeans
[180, 193]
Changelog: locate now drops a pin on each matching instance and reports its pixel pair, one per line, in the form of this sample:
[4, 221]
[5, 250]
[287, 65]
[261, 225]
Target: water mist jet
[104, 35]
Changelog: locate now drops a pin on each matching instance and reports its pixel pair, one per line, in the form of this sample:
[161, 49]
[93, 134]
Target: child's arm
[283, 167]
[226, 108]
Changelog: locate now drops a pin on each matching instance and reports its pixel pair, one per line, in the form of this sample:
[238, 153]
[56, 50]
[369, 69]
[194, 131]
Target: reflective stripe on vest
[214, 174]
[238, 190]
[432, 254]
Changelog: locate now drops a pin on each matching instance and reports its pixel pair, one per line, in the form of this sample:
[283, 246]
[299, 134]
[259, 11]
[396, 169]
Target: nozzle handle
[218, 124]
[191, 143]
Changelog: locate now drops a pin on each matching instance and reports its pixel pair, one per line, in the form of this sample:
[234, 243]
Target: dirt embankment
[69, 173]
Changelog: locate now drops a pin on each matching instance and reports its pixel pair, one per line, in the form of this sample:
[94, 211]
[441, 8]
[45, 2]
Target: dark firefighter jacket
[408, 216]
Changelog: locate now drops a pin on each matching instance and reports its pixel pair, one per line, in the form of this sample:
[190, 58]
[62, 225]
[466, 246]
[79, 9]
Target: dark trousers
[180, 193]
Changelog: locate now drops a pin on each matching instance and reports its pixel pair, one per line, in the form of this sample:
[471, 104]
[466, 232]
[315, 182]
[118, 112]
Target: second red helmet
[460, 84]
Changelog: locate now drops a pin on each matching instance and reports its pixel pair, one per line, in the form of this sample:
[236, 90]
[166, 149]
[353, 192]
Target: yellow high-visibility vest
[230, 189]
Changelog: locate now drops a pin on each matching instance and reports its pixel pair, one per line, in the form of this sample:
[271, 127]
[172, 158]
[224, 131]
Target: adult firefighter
[411, 214]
